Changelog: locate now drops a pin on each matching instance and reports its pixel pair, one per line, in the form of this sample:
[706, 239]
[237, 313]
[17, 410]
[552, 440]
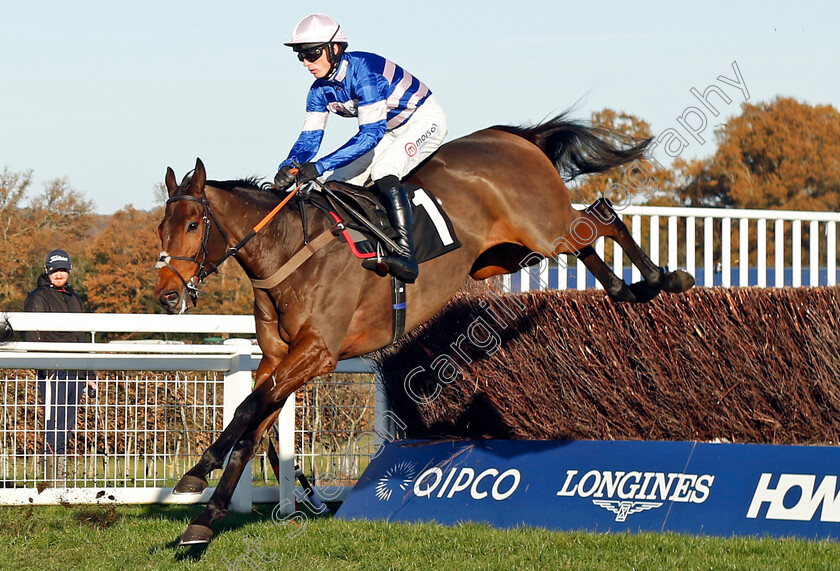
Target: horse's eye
[192, 226]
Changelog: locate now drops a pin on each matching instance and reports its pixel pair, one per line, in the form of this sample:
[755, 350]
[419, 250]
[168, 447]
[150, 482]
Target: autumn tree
[639, 182]
[781, 155]
[121, 275]
[59, 217]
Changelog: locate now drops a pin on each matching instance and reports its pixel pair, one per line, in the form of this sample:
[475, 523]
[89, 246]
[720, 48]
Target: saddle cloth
[432, 230]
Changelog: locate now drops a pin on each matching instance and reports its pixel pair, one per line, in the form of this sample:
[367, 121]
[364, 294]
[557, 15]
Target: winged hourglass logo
[624, 509]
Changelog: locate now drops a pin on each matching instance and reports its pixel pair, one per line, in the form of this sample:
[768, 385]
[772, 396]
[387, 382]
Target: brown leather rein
[200, 258]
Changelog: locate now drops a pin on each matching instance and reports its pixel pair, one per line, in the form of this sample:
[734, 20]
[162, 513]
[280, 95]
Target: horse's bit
[200, 258]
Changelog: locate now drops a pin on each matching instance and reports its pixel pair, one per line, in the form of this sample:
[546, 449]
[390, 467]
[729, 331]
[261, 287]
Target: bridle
[200, 258]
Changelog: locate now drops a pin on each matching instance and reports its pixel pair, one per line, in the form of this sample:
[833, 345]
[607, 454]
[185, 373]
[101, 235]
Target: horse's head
[189, 243]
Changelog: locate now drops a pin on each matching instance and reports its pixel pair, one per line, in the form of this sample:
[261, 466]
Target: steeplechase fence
[157, 406]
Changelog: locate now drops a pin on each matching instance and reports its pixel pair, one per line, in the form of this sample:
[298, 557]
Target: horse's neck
[238, 212]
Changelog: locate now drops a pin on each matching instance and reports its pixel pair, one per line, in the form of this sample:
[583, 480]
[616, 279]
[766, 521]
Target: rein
[200, 258]
[398, 305]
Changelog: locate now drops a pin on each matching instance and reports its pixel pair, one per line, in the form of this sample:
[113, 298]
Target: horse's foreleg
[195, 480]
[199, 530]
[307, 358]
[247, 413]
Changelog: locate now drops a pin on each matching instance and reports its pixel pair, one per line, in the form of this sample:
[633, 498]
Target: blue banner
[624, 486]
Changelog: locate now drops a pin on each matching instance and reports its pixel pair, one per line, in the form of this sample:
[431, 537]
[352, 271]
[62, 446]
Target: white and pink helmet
[317, 29]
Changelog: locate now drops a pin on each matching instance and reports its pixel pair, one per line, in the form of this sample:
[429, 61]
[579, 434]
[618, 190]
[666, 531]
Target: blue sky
[108, 94]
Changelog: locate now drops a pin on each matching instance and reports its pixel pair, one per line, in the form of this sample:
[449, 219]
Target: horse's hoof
[677, 281]
[644, 292]
[190, 485]
[621, 293]
[196, 534]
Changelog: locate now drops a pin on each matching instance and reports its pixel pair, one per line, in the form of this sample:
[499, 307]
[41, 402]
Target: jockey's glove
[284, 178]
[308, 171]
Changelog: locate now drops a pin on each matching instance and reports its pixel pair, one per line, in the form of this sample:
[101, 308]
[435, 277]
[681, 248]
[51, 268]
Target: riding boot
[402, 267]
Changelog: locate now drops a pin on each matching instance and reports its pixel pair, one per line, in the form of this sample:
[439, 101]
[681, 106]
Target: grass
[145, 537]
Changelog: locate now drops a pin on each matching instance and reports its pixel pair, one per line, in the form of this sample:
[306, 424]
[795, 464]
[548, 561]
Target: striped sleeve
[314, 123]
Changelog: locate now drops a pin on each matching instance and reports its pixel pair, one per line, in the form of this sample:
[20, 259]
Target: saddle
[362, 221]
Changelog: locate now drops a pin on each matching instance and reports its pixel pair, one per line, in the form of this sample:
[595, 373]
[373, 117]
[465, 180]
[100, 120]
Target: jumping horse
[504, 192]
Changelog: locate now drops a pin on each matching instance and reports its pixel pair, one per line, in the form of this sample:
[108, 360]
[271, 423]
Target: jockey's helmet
[319, 30]
[316, 29]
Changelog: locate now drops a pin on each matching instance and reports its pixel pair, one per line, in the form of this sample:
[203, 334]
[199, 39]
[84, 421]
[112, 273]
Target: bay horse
[503, 190]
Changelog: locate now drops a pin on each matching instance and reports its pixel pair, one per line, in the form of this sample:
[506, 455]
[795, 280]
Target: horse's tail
[579, 147]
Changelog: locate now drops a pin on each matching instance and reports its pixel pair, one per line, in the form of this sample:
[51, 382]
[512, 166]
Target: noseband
[200, 258]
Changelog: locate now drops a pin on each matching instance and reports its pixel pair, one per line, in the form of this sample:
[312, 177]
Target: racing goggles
[311, 54]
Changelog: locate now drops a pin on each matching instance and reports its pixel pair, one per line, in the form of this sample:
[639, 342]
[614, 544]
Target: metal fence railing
[155, 409]
[719, 246]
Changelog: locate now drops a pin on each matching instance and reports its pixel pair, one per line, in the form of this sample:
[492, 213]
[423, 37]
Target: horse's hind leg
[613, 285]
[676, 281]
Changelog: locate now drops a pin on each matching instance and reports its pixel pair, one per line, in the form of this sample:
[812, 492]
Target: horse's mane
[250, 183]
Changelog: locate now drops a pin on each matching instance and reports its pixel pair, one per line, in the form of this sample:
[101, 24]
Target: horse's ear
[171, 184]
[199, 177]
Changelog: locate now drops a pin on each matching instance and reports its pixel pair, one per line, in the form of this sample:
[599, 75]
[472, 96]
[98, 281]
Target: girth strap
[295, 261]
[398, 305]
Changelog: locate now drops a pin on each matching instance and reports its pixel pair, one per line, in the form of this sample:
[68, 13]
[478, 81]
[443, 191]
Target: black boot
[395, 199]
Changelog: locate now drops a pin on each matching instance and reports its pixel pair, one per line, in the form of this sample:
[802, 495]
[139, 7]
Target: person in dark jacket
[60, 391]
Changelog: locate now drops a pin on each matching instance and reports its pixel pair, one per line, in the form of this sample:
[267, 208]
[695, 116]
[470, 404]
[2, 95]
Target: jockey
[400, 125]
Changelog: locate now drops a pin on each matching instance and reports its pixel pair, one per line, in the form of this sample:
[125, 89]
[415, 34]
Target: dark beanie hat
[57, 260]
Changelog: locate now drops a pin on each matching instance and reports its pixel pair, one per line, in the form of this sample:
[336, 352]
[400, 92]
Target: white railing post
[618, 257]
[779, 241]
[726, 252]
[544, 279]
[796, 253]
[831, 253]
[525, 279]
[562, 271]
[507, 283]
[690, 245]
[237, 388]
[814, 251]
[581, 274]
[636, 232]
[673, 240]
[744, 253]
[708, 252]
[761, 253]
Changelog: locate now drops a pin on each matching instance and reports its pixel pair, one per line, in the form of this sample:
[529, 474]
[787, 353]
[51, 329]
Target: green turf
[145, 537]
